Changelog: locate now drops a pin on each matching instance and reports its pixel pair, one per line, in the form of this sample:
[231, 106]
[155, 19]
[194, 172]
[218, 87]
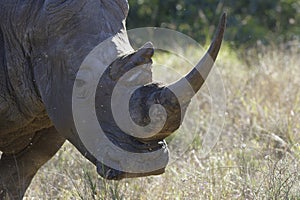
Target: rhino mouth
[130, 144]
[114, 174]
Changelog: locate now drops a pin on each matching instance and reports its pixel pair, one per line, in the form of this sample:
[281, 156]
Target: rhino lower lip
[114, 174]
[132, 145]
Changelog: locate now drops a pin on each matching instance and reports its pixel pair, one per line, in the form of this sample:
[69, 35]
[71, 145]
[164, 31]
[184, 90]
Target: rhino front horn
[175, 97]
[197, 76]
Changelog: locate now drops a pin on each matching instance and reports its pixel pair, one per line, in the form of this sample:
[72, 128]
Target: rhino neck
[22, 112]
[20, 102]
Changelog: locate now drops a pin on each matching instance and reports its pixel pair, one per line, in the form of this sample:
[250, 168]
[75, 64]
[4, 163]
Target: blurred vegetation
[249, 22]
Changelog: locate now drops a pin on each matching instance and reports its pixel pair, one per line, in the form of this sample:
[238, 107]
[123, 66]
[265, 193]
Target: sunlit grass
[256, 157]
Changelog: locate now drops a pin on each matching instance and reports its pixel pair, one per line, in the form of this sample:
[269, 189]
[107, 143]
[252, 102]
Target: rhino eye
[81, 89]
[79, 83]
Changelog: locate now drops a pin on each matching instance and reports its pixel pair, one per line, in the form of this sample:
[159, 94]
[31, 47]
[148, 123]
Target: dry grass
[257, 156]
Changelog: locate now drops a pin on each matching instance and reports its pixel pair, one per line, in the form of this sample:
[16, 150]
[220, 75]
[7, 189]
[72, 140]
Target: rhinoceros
[43, 43]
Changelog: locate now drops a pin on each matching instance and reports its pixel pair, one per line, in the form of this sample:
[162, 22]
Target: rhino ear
[146, 51]
[126, 63]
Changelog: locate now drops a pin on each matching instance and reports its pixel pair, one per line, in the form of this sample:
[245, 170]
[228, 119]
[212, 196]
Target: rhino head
[85, 36]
